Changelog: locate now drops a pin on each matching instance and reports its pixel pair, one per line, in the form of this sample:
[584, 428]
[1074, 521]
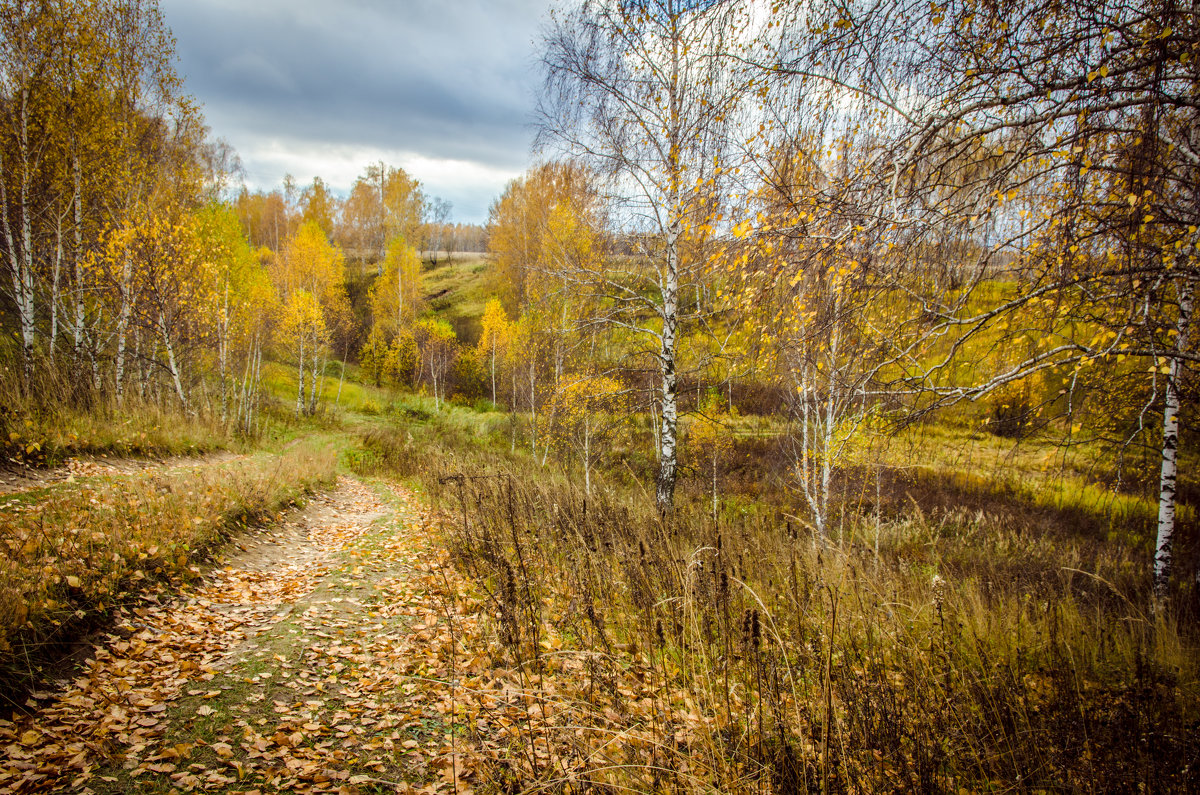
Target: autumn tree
[828, 298]
[527, 352]
[90, 122]
[582, 415]
[546, 225]
[644, 94]
[1060, 142]
[437, 346]
[396, 296]
[384, 203]
[265, 218]
[495, 337]
[156, 264]
[310, 276]
[438, 229]
[303, 324]
[319, 206]
[240, 305]
[526, 260]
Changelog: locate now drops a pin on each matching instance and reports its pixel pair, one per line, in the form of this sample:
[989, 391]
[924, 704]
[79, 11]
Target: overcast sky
[441, 88]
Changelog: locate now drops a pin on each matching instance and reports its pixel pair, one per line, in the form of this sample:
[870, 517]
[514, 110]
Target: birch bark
[1163, 556]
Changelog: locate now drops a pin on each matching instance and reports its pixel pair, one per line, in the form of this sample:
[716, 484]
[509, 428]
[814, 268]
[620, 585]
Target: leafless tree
[439, 230]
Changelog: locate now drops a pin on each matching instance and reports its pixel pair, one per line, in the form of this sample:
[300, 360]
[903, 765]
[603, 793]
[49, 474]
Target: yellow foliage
[396, 295]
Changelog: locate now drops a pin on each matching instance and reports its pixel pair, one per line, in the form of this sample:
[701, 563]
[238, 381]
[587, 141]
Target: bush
[485, 406]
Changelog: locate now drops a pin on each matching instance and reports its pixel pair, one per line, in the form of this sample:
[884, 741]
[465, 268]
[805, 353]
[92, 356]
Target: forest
[815, 413]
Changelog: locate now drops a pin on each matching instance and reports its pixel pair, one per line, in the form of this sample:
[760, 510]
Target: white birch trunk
[77, 265]
[252, 394]
[300, 378]
[668, 430]
[140, 378]
[669, 423]
[171, 363]
[512, 411]
[24, 292]
[830, 420]
[1163, 556]
[55, 281]
[318, 379]
[223, 353]
[123, 322]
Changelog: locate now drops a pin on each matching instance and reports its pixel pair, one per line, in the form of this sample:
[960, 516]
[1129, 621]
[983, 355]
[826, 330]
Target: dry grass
[69, 557]
[931, 653]
[58, 418]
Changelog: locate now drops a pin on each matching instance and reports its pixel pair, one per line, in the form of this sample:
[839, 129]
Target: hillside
[624, 397]
[457, 290]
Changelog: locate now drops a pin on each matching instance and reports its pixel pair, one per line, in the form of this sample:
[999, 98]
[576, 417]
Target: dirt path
[290, 666]
[15, 481]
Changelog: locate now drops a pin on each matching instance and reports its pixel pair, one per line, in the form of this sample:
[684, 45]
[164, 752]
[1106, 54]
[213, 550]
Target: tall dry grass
[61, 415]
[934, 653]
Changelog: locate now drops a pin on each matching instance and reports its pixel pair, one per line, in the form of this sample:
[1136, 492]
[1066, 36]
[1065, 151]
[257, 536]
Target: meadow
[959, 634]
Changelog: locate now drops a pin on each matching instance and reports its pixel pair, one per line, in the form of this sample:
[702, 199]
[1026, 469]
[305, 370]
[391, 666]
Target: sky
[441, 88]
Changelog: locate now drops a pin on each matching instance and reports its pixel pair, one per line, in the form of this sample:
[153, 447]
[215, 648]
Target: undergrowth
[49, 435]
[678, 654]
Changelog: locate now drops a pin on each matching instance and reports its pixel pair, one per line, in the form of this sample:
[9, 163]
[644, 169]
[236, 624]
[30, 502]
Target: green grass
[1038, 470]
[279, 381]
[457, 290]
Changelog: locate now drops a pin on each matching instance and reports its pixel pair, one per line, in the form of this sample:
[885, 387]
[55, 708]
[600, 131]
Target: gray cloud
[296, 83]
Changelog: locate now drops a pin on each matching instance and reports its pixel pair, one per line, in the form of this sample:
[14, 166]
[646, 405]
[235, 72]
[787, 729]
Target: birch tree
[384, 203]
[438, 228]
[582, 416]
[645, 95]
[1060, 141]
[437, 347]
[311, 278]
[495, 337]
[396, 296]
[239, 302]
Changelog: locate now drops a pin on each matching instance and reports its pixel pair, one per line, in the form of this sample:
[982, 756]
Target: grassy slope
[958, 649]
[457, 290]
[1038, 472]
